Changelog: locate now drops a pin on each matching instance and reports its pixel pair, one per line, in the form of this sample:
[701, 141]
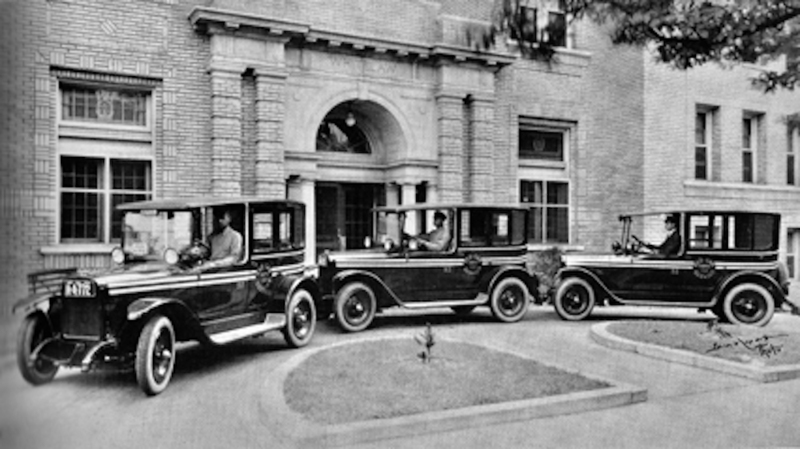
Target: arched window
[334, 135]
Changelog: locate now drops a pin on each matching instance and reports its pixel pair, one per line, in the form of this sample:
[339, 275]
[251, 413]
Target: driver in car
[439, 238]
[672, 243]
[225, 242]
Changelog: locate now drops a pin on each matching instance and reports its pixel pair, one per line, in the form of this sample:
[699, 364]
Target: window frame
[750, 132]
[106, 143]
[546, 207]
[542, 11]
[706, 145]
[792, 149]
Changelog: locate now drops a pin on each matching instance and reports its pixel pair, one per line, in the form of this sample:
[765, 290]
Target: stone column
[481, 158]
[226, 131]
[270, 115]
[410, 197]
[451, 146]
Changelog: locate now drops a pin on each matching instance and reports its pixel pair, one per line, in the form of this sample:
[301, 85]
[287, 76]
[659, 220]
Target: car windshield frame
[149, 233]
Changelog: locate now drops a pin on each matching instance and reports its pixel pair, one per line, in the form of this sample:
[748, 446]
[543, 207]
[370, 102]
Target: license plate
[78, 288]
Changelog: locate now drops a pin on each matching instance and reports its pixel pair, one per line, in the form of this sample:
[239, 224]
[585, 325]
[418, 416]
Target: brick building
[350, 104]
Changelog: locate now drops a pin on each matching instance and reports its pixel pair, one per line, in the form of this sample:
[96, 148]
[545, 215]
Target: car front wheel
[355, 307]
[509, 300]
[301, 319]
[33, 331]
[748, 303]
[574, 299]
[155, 355]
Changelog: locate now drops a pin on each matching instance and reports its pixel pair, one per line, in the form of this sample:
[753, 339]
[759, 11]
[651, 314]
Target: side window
[472, 229]
[705, 231]
[284, 230]
[500, 229]
[518, 227]
[263, 238]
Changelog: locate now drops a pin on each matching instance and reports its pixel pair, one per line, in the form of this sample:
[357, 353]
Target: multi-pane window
[91, 188]
[545, 21]
[702, 144]
[541, 144]
[748, 148]
[549, 205]
[119, 107]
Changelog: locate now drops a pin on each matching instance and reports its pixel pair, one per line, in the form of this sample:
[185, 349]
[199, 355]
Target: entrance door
[344, 214]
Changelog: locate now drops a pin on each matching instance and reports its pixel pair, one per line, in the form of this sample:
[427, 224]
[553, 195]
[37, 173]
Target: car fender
[751, 276]
[383, 290]
[31, 303]
[144, 306]
[503, 272]
[587, 275]
[284, 287]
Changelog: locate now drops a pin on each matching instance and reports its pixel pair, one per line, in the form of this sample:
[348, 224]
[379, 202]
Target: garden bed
[386, 378]
[743, 344]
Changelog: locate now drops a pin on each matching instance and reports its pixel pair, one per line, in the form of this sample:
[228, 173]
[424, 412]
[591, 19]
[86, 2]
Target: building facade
[346, 105]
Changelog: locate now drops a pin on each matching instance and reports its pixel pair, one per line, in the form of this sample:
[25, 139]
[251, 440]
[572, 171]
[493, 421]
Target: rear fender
[751, 276]
[519, 272]
[284, 288]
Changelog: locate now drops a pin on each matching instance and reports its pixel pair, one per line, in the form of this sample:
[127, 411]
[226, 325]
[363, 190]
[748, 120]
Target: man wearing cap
[439, 238]
[672, 244]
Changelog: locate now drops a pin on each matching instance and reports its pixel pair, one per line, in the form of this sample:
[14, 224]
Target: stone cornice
[212, 20]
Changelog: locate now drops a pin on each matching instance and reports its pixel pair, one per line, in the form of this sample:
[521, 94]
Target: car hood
[139, 272]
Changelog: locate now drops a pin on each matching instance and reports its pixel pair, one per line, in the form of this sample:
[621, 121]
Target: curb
[296, 428]
[601, 335]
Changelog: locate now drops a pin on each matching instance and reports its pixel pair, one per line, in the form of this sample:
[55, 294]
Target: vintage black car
[163, 289]
[723, 261]
[481, 263]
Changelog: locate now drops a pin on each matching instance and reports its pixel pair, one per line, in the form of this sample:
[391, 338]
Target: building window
[549, 205]
[91, 188]
[702, 144]
[98, 173]
[545, 21]
[792, 143]
[749, 143]
[117, 107]
[541, 144]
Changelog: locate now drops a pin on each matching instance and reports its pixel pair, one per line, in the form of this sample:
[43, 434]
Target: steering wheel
[636, 244]
[196, 252]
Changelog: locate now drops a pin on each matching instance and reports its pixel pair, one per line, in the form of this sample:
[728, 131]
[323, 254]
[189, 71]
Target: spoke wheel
[301, 319]
[155, 355]
[575, 299]
[749, 303]
[509, 301]
[32, 333]
[355, 307]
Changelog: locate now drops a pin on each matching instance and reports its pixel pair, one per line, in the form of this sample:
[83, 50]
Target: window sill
[78, 248]
[542, 163]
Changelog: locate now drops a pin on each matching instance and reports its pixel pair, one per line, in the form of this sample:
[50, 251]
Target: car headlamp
[118, 255]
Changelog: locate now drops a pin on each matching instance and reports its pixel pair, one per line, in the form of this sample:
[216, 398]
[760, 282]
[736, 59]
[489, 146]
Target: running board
[478, 301]
[274, 321]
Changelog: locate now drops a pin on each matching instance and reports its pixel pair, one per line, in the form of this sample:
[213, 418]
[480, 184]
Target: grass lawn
[737, 343]
[385, 379]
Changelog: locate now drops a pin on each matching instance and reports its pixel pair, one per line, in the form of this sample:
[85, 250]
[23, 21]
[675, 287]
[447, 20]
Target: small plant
[427, 340]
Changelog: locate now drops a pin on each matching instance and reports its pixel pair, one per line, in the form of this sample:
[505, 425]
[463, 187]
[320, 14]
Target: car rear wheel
[301, 319]
[32, 333]
[749, 303]
[509, 301]
[355, 307]
[574, 299]
[155, 355]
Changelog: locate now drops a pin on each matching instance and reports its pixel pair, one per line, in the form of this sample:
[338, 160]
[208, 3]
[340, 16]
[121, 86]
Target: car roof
[428, 206]
[204, 201]
[697, 212]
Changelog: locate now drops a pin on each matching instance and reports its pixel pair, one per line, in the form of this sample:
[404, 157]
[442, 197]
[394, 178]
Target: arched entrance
[355, 143]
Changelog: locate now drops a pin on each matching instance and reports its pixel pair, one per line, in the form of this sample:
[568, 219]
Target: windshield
[147, 234]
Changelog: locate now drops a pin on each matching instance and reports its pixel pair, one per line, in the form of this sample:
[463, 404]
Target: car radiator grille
[82, 318]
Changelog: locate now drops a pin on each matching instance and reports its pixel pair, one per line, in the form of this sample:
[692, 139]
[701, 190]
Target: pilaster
[226, 131]
[270, 115]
